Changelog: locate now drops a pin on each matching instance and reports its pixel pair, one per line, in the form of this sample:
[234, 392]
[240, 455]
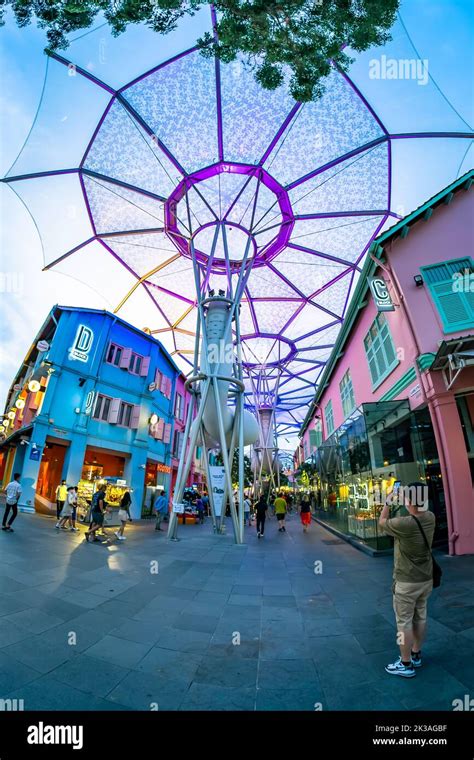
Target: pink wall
[448, 234]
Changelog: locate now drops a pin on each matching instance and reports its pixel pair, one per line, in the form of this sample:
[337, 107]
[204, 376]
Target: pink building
[197, 472]
[396, 400]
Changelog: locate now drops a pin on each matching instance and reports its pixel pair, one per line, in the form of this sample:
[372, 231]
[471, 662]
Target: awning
[453, 356]
[16, 437]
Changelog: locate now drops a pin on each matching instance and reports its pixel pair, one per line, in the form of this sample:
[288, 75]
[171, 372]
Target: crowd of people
[415, 571]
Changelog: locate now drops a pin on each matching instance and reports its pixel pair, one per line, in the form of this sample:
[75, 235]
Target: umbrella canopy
[193, 157]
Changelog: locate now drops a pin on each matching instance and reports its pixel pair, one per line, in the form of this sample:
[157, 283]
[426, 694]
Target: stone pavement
[146, 641]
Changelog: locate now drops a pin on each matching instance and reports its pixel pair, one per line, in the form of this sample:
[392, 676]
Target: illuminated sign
[90, 398]
[163, 468]
[380, 294]
[82, 344]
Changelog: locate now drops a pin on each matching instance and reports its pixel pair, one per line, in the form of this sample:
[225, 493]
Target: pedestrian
[247, 506]
[13, 494]
[161, 509]
[261, 510]
[200, 509]
[98, 509]
[280, 511]
[412, 576]
[205, 501]
[124, 515]
[74, 510]
[61, 496]
[66, 512]
[305, 513]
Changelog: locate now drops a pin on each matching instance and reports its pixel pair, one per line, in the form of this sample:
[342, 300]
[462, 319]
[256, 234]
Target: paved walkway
[145, 640]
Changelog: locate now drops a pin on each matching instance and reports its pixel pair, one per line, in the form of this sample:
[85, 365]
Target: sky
[441, 30]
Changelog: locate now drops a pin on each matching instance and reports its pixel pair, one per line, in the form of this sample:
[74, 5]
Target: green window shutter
[456, 309]
[388, 346]
[445, 270]
[329, 417]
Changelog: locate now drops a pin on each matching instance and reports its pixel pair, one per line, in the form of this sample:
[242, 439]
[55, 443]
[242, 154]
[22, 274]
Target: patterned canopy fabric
[193, 159]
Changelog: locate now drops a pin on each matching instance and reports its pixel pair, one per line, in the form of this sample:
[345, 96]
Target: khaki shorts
[410, 603]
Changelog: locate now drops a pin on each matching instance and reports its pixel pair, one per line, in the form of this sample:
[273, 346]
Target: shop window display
[379, 447]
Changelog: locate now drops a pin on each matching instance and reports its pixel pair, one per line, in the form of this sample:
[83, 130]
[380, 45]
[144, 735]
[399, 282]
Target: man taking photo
[412, 574]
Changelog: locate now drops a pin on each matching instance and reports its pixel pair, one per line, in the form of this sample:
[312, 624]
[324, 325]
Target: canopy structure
[194, 154]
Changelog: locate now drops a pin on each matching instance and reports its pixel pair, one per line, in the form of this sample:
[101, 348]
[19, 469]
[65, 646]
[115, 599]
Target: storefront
[157, 476]
[102, 469]
[380, 445]
[50, 471]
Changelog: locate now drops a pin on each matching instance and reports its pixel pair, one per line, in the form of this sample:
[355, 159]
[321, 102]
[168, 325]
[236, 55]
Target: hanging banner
[217, 476]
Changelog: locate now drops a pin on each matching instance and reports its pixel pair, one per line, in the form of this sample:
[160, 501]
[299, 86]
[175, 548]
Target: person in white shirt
[13, 495]
[247, 506]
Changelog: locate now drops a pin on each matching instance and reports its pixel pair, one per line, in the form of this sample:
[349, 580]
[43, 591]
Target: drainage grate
[332, 541]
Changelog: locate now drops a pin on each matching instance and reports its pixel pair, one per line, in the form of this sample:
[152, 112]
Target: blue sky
[441, 30]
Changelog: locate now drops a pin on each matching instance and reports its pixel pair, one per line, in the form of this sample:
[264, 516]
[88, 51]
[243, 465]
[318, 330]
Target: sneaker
[258, 534]
[416, 659]
[123, 538]
[4, 527]
[75, 529]
[284, 529]
[10, 530]
[399, 669]
[57, 525]
[118, 535]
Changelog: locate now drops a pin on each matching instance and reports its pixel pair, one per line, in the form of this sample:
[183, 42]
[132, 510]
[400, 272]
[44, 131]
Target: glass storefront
[379, 446]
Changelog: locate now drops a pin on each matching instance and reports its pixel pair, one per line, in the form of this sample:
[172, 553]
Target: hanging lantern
[34, 386]
[20, 403]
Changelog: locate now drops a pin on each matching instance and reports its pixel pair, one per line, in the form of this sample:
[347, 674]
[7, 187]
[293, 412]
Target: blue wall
[73, 379]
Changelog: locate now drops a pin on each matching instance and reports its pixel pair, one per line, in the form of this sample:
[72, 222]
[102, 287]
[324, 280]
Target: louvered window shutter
[125, 358]
[114, 410]
[135, 418]
[145, 366]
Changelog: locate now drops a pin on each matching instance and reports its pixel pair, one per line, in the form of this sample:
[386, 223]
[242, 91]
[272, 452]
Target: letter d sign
[82, 344]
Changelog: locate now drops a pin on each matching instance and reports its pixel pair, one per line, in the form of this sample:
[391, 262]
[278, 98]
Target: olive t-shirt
[412, 560]
[280, 506]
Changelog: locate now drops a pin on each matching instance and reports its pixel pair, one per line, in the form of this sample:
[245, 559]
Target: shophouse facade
[396, 400]
[94, 399]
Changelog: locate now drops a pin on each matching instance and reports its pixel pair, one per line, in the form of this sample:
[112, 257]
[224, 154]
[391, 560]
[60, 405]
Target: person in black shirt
[261, 510]
[305, 513]
[97, 513]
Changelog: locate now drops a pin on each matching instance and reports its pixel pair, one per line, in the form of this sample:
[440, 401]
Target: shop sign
[121, 482]
[217, 478]
[163, 468]
[35, 454]
[42, 346]
[152, 387]
[380, 294]
[90, 398]
[57, 431]
[82, 345]
[178, 508]
[415, 390]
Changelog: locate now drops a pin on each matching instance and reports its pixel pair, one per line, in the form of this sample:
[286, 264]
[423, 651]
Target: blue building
[93, 400]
